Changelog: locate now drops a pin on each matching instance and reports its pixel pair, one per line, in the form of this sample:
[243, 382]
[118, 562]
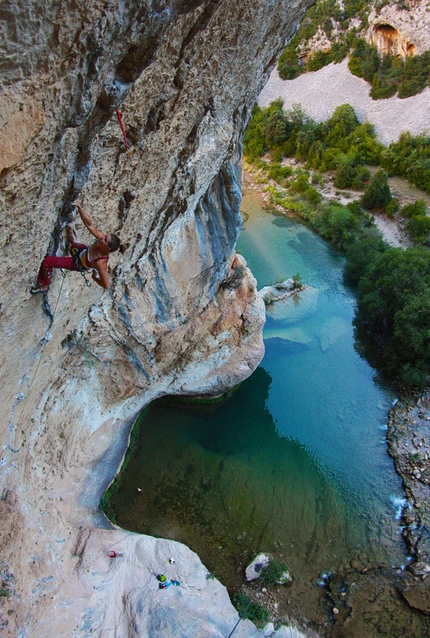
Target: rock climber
[83, 257]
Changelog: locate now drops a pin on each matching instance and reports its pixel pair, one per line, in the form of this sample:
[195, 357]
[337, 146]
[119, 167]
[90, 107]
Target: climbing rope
[44, 341]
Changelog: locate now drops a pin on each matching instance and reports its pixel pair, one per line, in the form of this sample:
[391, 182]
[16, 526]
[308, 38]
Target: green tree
[277, 125]
[377, 195]
[254, 139]
[336, 130]
[419, 228]
[391, 291]
[337, 224]
[360, 254]
[417, 208]
[349, 172]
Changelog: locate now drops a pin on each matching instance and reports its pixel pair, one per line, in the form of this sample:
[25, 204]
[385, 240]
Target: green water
[295, 462]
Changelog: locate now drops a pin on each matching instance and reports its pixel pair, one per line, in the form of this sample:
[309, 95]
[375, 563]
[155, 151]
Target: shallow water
[295, 462]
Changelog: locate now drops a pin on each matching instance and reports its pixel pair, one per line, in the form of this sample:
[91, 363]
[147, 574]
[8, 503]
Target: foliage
[247, 609]
[321, 16]
[254, 139]
[392, 207]
[377, 195]
[274, 573]
[337, 224]
[364, 61]
[418, 208]
[416, 75]
[418, 222]
[393, 315]
[279, 173]
[409, 157]
[349, 172]
[341, 143]
[360, 253]
[387, 76]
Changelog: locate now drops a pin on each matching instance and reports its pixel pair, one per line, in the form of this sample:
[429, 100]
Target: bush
[318, 60]
[337, 129]
[274, 572]
[301, 182]
[279, 173]
[337, 224]
[409, 157]
[392, 207]
[416, 75]
[393, 314]
[364, 61]
[360, 253]
[377, 195]
[349, 173]
[419, 228]
[418, 208]
[247, 609]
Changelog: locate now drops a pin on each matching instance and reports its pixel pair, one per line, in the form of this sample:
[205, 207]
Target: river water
[295, 461]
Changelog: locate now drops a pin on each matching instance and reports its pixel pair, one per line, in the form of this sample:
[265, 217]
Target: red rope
[118, 112]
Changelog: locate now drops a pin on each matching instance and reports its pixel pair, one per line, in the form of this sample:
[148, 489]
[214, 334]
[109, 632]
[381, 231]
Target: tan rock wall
[182, 314]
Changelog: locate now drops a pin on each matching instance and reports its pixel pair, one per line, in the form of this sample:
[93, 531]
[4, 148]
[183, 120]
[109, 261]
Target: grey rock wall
[182, 314]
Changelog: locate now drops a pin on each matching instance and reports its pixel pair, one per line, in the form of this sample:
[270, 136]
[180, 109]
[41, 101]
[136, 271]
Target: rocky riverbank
[409, 445]
[378, 600]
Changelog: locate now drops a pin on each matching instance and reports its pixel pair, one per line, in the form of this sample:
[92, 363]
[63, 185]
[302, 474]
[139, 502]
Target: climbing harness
[121, 123]
[76, 252]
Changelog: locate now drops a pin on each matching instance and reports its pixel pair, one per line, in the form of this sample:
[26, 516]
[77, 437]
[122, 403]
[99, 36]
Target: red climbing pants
[51, 261]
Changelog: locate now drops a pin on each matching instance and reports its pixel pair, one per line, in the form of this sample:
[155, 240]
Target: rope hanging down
[121, 123]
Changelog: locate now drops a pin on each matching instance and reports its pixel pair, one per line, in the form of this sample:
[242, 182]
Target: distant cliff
[182, 314]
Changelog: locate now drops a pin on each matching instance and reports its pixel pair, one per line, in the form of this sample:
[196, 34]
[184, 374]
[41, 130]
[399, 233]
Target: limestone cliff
[181, 316]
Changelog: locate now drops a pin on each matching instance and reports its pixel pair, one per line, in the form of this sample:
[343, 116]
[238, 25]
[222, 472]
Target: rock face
[182, 314]
[394, 30]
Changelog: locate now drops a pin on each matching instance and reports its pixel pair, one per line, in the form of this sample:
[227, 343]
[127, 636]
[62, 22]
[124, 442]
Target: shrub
[419, 228]
[247, 609]
[392, 207]
[274, 572]
[279, 173]
[349, 172]
[301, 182]
[377, 195]
[409, 157]
[336, 130]
[393, 314]
[364, 61]
[318, 60]
[337, 224]
[418, 208]
[312, 196]
[360, 253]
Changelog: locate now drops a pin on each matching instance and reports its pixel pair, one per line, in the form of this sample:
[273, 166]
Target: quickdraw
[121, 123]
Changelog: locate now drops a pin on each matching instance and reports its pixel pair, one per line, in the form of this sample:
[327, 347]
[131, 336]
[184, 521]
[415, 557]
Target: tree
[277, 127]
[377, 195]
[341, 124]
[361, 253]
[393, 314]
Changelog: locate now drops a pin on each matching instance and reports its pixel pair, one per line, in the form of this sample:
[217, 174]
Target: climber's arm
[100, 274]
[88, 223]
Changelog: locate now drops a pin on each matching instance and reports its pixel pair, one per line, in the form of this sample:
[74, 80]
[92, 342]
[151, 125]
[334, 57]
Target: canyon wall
[181, 315]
